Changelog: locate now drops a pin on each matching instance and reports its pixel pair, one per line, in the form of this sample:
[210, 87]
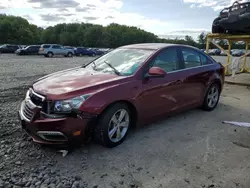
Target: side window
[46, 46]
[167, 60]
[56, 47]
[191, 58]
[204, 60]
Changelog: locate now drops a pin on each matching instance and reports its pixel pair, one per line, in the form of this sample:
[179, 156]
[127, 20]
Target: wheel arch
[131, 106]
[50, 52]
[214, 81]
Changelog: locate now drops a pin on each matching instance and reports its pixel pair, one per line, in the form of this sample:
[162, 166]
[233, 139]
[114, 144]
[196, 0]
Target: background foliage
[17, 30]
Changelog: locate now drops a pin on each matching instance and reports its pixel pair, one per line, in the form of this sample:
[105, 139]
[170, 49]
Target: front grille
[27, 112]
[37, 99]
[32, 104]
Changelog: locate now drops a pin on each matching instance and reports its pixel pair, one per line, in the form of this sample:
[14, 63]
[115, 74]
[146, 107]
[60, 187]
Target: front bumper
[66, 130]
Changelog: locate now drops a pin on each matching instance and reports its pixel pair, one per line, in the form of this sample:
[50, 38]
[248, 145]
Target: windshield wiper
[111, 66]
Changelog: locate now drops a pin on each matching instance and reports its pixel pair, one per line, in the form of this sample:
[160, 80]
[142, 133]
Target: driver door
[162, 95]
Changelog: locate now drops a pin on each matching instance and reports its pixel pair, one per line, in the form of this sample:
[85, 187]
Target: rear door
[198, 70]
[56, 49]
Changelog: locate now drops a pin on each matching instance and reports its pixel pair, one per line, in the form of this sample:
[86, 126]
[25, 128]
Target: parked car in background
[70, 47]
[238, 53]
[98, 51]
[129, 86]
[9, 48]
[49, 50]
[223, 53]
[214, 51]
[80, 51]
[29, 50]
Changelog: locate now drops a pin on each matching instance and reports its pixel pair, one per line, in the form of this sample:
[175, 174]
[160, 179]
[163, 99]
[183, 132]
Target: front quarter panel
[127, 91]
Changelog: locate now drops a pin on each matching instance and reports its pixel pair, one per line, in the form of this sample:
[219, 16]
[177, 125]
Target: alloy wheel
[118, 125]
[213, 97]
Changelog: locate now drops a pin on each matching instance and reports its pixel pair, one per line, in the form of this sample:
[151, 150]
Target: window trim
[189, 68]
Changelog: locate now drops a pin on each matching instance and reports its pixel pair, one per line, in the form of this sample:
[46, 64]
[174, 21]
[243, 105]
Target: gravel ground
[193, 149]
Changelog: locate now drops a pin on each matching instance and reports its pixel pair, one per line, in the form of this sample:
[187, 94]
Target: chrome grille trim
[28, 112]
[23, 114]
[28, 107]
[38, 95]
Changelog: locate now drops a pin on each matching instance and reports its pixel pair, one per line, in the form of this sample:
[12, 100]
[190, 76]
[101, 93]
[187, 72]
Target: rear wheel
[50, 54]
[212, 97]
[70, 54]
[113, 125]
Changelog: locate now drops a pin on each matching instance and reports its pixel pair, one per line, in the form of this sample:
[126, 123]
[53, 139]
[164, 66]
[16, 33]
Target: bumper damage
[56, 129]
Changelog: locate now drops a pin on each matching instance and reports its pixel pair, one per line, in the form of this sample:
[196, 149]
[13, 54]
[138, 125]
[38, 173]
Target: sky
[165, 18]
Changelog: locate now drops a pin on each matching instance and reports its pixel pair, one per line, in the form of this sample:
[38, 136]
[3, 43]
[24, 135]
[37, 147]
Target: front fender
[97, 103]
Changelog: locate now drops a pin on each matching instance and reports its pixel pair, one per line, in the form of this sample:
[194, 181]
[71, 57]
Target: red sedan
[128, 86]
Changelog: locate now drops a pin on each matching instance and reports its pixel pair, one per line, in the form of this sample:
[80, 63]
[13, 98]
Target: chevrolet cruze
[129, 86]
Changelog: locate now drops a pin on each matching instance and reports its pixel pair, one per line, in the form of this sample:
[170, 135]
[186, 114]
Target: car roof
[154, 46]
[51, 44]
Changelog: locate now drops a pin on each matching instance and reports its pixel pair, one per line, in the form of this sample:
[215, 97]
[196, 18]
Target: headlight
[69, 104]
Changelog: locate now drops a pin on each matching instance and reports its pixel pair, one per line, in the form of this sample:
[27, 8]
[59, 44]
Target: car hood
[67, 83]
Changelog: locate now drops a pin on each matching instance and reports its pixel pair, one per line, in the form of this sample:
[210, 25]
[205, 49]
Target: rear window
[45, 46]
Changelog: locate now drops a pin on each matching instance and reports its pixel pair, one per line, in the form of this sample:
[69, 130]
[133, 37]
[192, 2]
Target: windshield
[124, 61]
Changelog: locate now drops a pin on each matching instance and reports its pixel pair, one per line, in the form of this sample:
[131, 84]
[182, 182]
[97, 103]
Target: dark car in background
[98, 51]
[233, 20]
[238, 53]
[214, 51]
[81, 51]
[131, 85]
[9, 48]
[28, 50]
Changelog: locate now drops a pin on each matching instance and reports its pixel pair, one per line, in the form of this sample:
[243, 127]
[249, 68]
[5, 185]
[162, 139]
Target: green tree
[202, 40]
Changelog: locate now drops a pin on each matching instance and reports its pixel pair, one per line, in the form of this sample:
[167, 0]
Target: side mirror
[156, 72]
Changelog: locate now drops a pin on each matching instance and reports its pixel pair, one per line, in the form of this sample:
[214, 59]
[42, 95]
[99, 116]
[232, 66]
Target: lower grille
[52, 136]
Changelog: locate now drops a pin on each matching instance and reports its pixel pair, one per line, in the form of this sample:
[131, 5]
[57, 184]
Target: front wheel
[113, 125]
[212, 97]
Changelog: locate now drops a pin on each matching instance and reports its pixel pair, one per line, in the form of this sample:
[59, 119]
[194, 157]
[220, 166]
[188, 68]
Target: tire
[103, 133]
[211, 98]
[70, 54]
[50, 54]
[93, 55]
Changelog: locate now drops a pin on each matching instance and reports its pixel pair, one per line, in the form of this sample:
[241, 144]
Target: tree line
[17, 30]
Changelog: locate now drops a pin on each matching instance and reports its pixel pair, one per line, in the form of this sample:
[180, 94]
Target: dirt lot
[193, 149]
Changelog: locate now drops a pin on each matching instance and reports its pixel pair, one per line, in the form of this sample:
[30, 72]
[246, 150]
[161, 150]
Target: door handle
[178, 81]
